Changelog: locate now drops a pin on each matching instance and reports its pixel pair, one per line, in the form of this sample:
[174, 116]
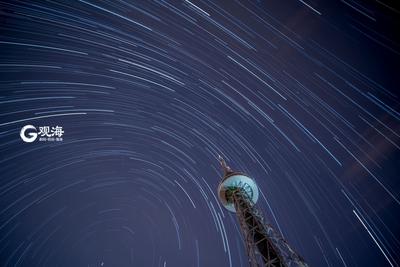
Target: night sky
[300, 95]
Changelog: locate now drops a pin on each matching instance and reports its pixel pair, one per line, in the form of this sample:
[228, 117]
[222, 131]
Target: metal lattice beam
[260, 250]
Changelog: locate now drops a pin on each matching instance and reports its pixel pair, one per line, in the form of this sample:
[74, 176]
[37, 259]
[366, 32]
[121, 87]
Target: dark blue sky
[301, 95]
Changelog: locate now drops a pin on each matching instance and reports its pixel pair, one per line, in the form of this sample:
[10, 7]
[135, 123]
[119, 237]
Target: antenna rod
[225, 167]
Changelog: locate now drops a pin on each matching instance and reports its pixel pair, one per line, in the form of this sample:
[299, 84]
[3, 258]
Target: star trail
[300, 95]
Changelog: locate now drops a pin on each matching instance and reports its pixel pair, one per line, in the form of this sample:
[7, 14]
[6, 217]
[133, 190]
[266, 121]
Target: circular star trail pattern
[300, 95]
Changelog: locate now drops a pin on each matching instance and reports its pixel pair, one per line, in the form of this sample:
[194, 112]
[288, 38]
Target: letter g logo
[31, 136]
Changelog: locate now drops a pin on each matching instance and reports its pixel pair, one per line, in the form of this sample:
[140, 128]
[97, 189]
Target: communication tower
[265, 247]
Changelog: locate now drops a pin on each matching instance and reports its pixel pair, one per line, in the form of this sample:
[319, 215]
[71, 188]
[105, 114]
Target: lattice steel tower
[265, 246]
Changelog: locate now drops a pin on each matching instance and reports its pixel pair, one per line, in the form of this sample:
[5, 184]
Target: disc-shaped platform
[234, 182]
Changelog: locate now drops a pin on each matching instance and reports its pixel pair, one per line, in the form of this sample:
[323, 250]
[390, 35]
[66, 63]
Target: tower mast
[265, 246]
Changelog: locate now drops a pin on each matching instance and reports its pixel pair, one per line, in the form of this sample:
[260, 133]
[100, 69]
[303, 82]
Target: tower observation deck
[265, 247]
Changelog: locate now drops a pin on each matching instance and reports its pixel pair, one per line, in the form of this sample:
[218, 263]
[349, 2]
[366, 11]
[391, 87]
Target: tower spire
[227, 170]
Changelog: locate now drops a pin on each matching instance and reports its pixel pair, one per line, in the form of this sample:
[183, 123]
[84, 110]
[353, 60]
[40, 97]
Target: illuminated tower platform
[265, 246]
